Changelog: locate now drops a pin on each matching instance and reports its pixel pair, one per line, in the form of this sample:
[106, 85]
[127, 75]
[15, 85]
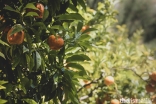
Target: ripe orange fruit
[149, 88]
[153, 98]
[109, 80]
[87, 82]
[41, 10]
[16, 38]
[55, 43]
[153, 76]
[115, 101]
[84, 28]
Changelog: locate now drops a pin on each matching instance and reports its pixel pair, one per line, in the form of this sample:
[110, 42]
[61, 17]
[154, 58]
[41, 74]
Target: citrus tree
[63, 52]
[41, 43]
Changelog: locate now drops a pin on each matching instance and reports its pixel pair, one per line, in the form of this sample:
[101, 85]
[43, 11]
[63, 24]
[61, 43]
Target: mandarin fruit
[115, 101]
[55, 43]
[109, 80]
[16, 38]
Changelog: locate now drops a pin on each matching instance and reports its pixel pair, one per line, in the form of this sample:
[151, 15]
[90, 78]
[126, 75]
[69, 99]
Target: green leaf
[3, 82]
[31, 14]
[2, 101]
[82, 3]
[57, 27]
[9, 87]
[73, 7]
[46, 14]
[84, 37]
[30, 61]
[72, 50]
[80, 57]
[37, 60]
[76, 66]
[4, 43]
[2, 55]
[2, 87]
[16, 28]
[89, 30]
[79, 26]
[29, 101]
[7, 7]
[71, 16]
[25, 49]
[16, 61]
[73, 98]
[25, 82]
[40, 24]
[30, 6]
[85, 44]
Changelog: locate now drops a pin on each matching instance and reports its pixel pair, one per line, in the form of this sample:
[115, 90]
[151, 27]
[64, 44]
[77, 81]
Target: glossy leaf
[79, 26]
[31, 6]
[80, 57]
[16, 28]
[71, 16]
[2, 101]
[37, 60]
[31, 14]
[3, 82]
[7, 7]
[4, 43]
[2, 55]
[29, 101]
[82, 3]
[46, 14]
[75, 65]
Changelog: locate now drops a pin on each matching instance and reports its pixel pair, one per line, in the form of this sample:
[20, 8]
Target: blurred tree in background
[138, 14]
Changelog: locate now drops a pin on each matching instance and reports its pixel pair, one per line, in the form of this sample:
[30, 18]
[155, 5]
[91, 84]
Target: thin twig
[92, 82]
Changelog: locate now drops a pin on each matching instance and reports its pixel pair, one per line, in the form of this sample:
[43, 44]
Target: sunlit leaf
[4, 43]
[31, 6]
[29, 101]
[76, 66]
[82, 3]
[2, 101]
[80, 57]
[3, 82]
[2, 55]
[71, 16]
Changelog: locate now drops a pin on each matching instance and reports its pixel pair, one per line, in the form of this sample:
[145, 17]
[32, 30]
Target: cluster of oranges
[151, 86]
[18, 37]
[54, 42]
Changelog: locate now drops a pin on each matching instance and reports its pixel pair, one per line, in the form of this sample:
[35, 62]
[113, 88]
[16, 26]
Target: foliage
[37, 74]
[138, 14]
